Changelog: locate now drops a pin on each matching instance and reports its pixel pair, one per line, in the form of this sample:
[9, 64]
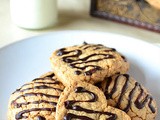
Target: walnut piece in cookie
[123, 92]
[84, 101]
[88, 62]
[36, 100]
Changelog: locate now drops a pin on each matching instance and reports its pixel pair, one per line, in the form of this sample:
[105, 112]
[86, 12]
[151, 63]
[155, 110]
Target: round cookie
[36, 100]
[88, 62]
[84, 101]
[123, 92]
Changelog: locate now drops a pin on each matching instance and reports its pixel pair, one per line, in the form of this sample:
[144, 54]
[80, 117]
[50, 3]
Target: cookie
[36, 100]
[123, 92]
[88, 62]
[84, 101]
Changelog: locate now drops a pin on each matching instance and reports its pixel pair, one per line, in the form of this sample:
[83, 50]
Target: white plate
[23, 61]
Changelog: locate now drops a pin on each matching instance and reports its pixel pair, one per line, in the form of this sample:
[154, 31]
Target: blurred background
[72, 15]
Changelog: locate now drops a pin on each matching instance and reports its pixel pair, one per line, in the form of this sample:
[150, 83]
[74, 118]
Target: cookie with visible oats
[88, 62]
[84, 101]
[123, 92]
[36, 100]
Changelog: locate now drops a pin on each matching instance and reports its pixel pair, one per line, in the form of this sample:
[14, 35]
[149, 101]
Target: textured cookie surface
[84, 101]
[154, 3]
[123, 92]
[88, 62]
[36, 100]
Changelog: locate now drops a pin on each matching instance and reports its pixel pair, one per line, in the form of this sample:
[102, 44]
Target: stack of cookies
[87, 82]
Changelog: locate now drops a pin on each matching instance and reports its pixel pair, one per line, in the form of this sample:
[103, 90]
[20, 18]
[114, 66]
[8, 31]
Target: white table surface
[73, 15]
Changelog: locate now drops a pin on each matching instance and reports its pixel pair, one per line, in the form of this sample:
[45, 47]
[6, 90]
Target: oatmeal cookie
[36, 100]
[124, 93]
[88, 62]
[84, 101]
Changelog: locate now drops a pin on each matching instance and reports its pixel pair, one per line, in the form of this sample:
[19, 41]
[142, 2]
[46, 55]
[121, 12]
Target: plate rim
[77, 32]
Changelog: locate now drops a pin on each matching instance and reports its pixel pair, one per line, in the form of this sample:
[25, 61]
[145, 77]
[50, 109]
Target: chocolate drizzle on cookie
[41, 118]
[71, 116]
[21, 116]
[74, 60]
[18, 105]
[70, 105]
[39, 81]
[96, 46]
[37, 84]
[140, 101]
[51, 75]
[140, 104]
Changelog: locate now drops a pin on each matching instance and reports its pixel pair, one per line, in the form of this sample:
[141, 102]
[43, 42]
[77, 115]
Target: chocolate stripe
[91, 46]
[71, 116]
[72, 62]
[138, 102]
[125, 86]
[18, 105]
[34, 94]
[141, 103]
[70, 105]
[50, 75]
[54, 82]
[39, 87]
[20, 115]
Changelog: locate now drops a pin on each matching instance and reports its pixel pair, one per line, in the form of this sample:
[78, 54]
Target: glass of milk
[34, 14]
